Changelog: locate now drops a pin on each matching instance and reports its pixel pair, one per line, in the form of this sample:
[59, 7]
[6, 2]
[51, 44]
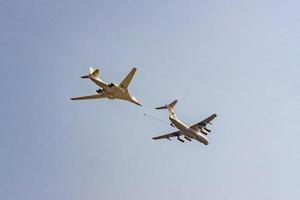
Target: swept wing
[94, 96]
[204, 122]
[167, 136]
[124, 84]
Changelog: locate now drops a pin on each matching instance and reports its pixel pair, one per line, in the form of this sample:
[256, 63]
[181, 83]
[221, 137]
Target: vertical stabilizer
[91, 70]
[94, 73]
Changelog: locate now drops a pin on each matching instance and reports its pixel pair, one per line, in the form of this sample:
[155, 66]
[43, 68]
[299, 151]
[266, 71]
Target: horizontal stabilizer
[162, 107]
[171, 105]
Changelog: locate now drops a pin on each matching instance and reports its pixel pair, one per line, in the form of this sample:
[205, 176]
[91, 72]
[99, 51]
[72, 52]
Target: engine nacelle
[208, 130]
[111, 85]
[189, 139]
[203, 132]
[99, 91]
[181, 140]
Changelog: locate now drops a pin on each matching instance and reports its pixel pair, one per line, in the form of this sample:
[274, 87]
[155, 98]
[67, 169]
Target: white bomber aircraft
[197, 131]
[112, 90]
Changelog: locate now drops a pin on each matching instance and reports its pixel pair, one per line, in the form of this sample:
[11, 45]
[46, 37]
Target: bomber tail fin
[92, 73]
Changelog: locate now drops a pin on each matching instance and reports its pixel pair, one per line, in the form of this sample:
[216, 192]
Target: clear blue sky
[239, 59]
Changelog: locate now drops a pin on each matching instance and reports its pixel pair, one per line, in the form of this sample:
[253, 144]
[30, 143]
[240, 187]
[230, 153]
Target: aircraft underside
[114, 92]
[110, 91]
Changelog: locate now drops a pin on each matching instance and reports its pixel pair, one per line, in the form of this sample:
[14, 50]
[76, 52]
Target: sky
[239, 59]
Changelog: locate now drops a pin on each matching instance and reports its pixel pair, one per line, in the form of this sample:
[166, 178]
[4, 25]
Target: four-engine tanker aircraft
[112, 90]
[197, 131]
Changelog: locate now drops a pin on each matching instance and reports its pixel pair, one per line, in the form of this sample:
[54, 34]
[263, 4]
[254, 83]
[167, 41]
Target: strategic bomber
[112, 90]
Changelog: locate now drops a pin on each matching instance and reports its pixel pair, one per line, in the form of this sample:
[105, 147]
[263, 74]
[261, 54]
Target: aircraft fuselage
[114, 91]
[189, 132]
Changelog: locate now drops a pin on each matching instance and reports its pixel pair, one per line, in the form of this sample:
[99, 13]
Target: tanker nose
[203, 139]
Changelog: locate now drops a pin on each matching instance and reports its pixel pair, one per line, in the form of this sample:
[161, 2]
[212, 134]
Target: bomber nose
[138, 103]
[134, 100]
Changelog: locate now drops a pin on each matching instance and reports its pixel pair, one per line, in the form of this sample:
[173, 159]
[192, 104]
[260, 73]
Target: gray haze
[239, 59]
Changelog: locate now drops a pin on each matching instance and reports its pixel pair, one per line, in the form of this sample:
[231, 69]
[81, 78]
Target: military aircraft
[112, 90]
[197, 131]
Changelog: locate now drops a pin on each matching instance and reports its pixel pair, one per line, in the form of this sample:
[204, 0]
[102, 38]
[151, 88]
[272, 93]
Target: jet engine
[111, 85]
[203, 132]
[99, 91]
[208, 130]
[181, 140]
